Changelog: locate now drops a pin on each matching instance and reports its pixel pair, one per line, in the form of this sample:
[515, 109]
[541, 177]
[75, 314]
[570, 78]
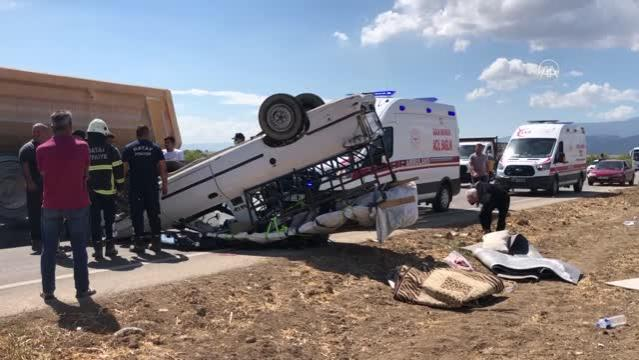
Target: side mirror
[561, 158]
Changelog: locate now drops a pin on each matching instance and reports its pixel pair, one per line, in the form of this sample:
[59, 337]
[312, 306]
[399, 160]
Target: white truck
[467, 148]
[545, 154]
[289, 174]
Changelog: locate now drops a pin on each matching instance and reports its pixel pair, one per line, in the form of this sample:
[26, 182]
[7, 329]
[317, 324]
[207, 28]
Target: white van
[634, 155]
[422, 138]
[545, 155]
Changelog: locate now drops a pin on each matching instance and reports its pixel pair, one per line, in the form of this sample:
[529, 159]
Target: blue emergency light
[380, 94]
[429, 99]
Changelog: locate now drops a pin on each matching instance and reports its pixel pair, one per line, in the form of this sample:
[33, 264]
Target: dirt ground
[336, 304]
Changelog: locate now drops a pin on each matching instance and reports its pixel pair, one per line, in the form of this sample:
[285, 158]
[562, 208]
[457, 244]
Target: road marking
[135, 264]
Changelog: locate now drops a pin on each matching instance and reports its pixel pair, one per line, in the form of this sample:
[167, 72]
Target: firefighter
[491, 197]
[106, 176]
[146, 163]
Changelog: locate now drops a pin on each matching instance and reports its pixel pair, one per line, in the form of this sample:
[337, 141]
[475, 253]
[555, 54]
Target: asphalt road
[20, 271]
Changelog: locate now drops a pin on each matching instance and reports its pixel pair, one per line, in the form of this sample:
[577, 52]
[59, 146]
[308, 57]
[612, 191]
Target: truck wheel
[13, 197]
[442, 199]
[579, 185]
[632, 181]
[282, 117]
[309, 101]
[554, 187]
[590, 182]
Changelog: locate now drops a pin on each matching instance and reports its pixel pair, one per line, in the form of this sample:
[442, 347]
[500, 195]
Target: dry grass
[333, 303]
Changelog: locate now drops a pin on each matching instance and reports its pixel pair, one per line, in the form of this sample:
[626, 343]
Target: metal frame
[317, 187]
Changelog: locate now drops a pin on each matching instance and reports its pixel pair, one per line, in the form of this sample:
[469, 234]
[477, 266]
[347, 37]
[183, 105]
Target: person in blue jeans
[63, 162]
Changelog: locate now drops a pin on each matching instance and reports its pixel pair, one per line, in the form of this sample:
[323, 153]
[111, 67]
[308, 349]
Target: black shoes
[85, 294]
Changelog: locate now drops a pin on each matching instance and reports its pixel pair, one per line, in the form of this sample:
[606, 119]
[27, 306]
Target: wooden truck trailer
[27, 98]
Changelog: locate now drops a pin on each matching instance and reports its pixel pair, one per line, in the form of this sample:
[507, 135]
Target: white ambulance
[422, 137]
[545, 154]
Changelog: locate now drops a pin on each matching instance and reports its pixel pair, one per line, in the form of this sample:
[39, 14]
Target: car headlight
[500, 166]
[543, 167]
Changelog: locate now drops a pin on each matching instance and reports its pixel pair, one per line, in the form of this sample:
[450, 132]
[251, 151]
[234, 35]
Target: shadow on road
[89, 316]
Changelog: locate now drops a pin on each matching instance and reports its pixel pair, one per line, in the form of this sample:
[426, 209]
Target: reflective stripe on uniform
[105, 192]
[100, 167]
[120, 181]
[117, 163]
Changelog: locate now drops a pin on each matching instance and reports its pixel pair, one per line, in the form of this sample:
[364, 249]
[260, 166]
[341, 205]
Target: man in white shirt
[170, 152]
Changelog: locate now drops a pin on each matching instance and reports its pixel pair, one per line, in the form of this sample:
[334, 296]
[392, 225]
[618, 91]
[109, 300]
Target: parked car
[612, 172]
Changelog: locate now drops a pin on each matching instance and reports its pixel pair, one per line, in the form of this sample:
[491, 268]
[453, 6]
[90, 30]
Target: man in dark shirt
[33, 181]
[63, 162]
[146, 162]
[491, 197]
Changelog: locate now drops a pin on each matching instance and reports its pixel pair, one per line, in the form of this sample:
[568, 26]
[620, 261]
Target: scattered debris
[251, 340]
[611, 322]
[163, 310]
[632, 284]
[443, 287]
[512, 257]
[457, 261]
[128, 331]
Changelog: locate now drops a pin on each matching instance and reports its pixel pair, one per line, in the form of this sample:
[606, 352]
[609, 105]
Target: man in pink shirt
[64, 162]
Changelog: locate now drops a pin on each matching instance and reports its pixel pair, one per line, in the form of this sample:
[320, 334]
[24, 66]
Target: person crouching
[491, 197]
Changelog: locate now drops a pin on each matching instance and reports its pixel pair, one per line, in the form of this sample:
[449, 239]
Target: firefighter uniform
[106, 174]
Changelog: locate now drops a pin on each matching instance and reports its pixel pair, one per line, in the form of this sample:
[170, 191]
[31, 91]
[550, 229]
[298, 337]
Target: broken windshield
[530, 148]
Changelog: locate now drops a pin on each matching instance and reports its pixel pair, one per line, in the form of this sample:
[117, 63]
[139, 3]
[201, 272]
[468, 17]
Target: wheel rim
[444, 198]
[280, 117]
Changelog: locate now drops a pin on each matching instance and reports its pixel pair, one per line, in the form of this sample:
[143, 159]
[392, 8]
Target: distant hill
[612, 137]
[622, 129]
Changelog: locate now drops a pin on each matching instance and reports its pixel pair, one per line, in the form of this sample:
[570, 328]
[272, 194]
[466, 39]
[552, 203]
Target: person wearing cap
[238, 138]
[27, 157]
[146, 163]
[106, 175]
[63, 162]
[491, 197]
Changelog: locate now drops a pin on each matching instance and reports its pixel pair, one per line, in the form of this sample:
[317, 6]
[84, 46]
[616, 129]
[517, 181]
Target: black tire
[591, 183]
[282, 117]
[309, 101]
[13, 196]
[578, 187]
[554, 187]
[443, 198]
[631, 182]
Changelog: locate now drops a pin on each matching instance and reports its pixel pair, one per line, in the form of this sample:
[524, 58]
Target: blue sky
[223, 57]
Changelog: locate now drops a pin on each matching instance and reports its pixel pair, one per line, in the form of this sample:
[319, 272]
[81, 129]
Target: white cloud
[8, 5]
[478, 93]
[536, 46]
[458, 76]
[575, 73]
[506, 75]
[340, 36]
[228, 97]
[541, 23]
[621, 112]
[586, 95]
[461, 45]
[200, 129]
